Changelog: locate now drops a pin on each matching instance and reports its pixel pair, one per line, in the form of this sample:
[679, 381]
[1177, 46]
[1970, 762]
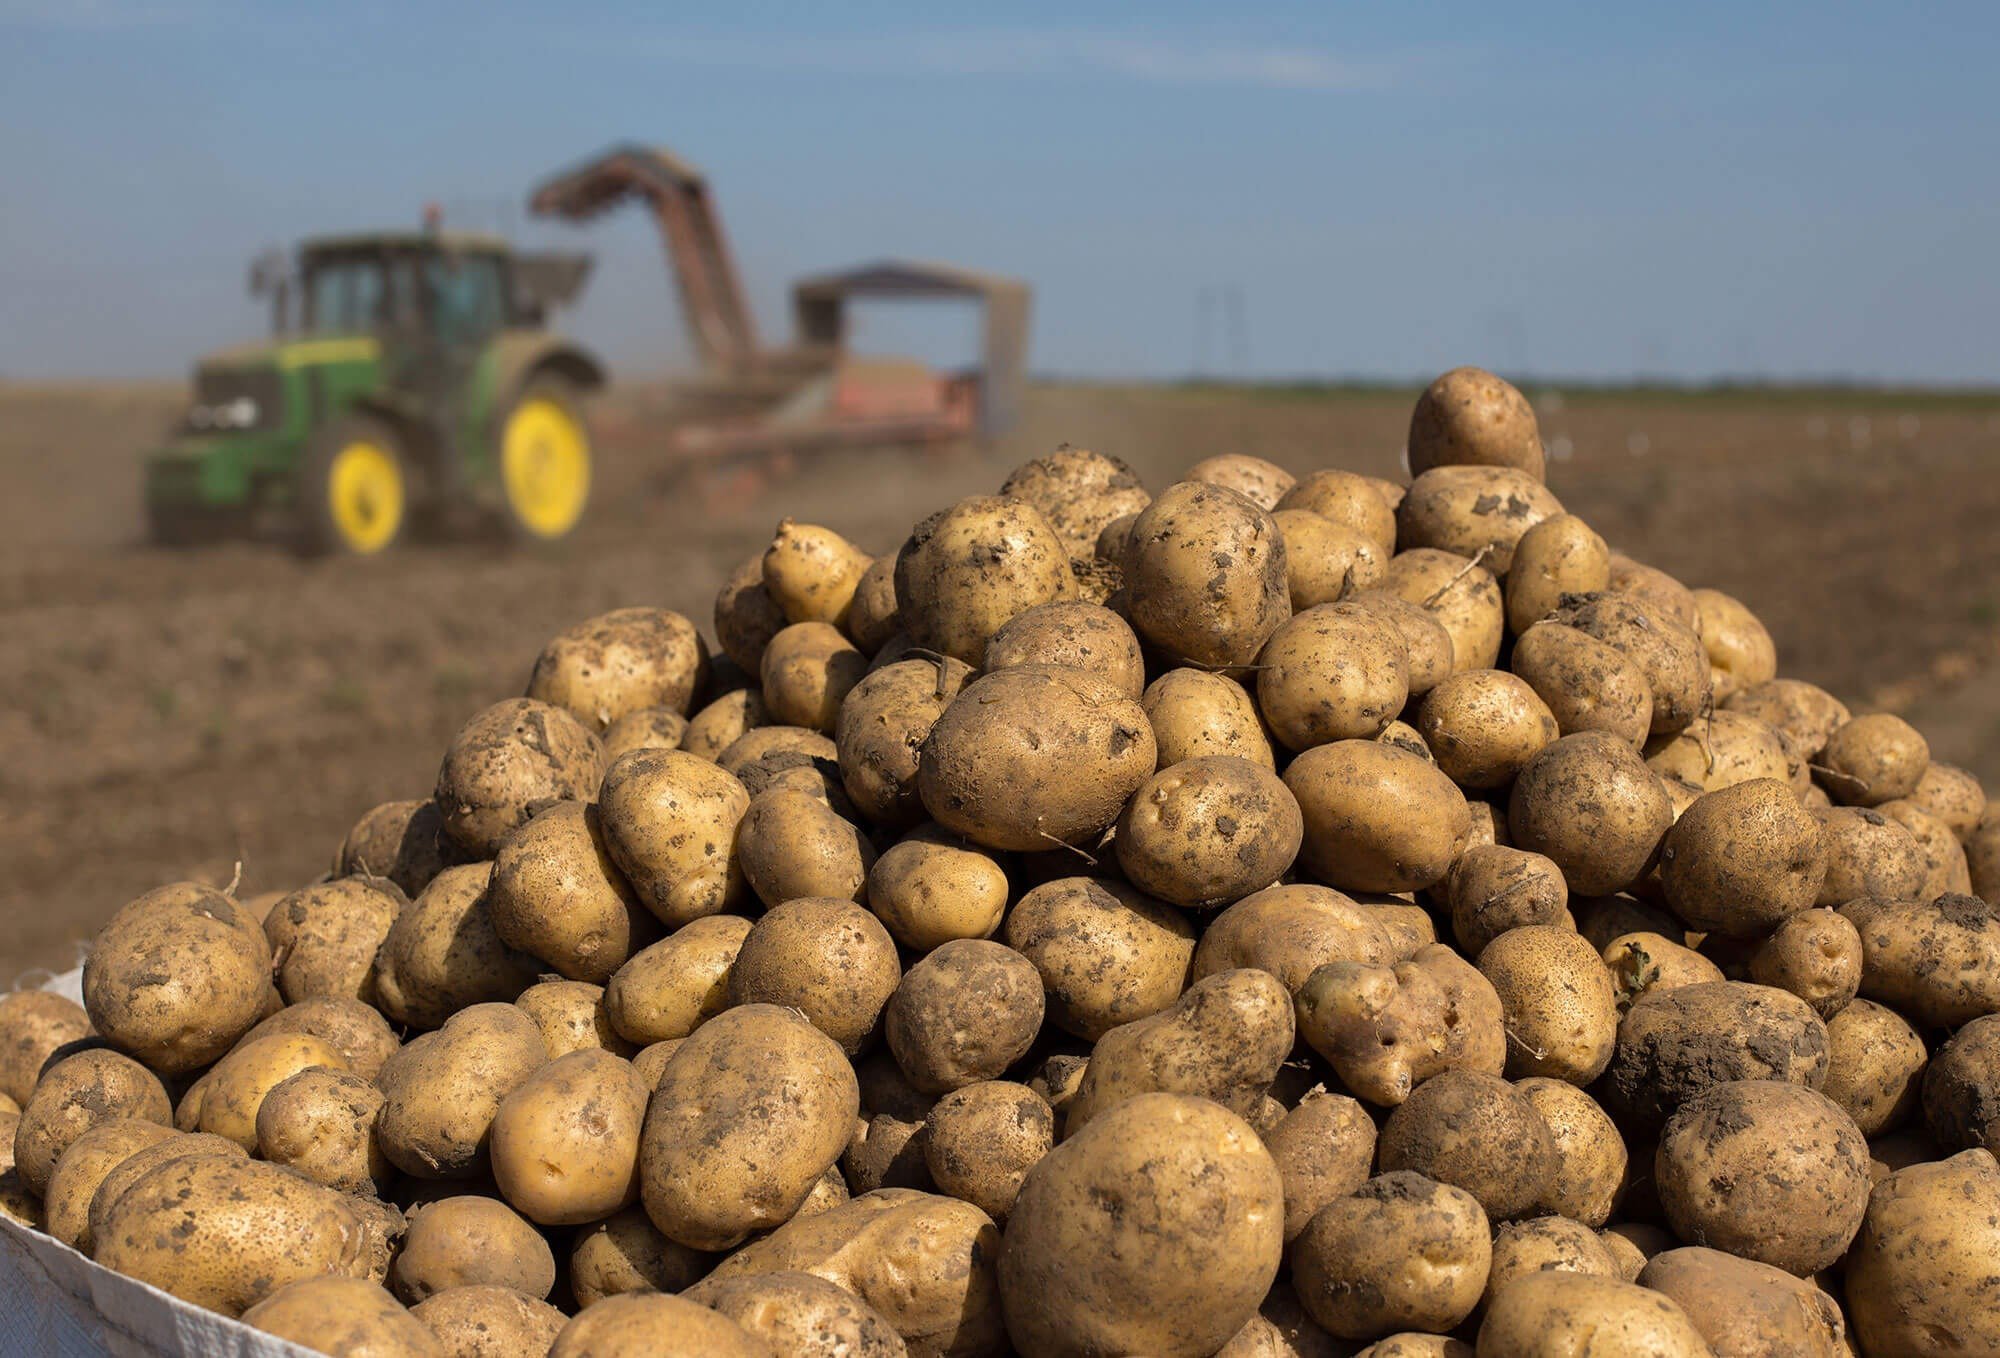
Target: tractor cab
[407, 373]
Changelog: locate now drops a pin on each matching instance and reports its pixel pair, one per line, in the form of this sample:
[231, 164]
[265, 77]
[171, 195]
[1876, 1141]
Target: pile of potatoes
[1267, 916]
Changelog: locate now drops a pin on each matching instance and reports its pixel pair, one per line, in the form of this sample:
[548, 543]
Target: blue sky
[1585, 189]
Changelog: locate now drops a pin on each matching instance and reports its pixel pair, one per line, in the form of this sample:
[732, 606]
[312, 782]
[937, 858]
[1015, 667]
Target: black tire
[326, 527]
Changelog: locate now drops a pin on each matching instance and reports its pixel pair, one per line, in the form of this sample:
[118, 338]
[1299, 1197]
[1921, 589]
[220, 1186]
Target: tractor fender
[518, 357]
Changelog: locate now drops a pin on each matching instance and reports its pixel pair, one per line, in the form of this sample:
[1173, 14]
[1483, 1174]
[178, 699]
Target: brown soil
[168, 714]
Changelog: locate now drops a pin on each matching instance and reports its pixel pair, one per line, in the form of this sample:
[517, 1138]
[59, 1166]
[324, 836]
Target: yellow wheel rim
[365, 494]
[545, 467]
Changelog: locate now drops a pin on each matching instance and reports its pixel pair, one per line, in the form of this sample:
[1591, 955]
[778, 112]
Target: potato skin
[483, 1321]
[1347, 500]
[360, 1034]
[1673, 1044]
[176, 976]
[76, 1093]
[1034, 756]
[806, 670]
[441, 1091]
[506, 763]
[1475, 511]
[717, 726]
[1587, 684]
[1961, 1096]
[1476, 1132]
[653, 1325]
[964, 1013]
[1492, 888]
[933, 886]
[1742, 860]
[1107, 953]
[348, 1316]
[1194, 713]
[442, 954]
[1292, 929]
[1461, 594]
[1559, 555]
[33, 1024]
[1377, 818]
[671, 988]
[981, 1140]
[1744, 1307]
[882, 725]
[670, 820]
[1385, 1029]
[1805, 714]
[1324, 1149]
[1324, 559]
[828, 959]
[965, 571]
[1428, 648]
[1483, 726]
[1741, 654]
[471, 1241]
[1666, 651]
[1333, 672]
[1573, 1315]
[1206, 575]
[625, 1252]
[1469, 417]
[1765, 1170]
[81, 1168]
[1590, 1154]
[239, 1082]
[1546, 1245]
[1588, 803]
[1946, 867]
[321, 1123]
[719, 1158]
[557, 896]
[1954, 796]
[1937, 962]
[1867, 854]
[619, 662]
[1924, 1266]
[1875, 1066]
[1077, 1279]
[1353, 1266]
[1209, 831]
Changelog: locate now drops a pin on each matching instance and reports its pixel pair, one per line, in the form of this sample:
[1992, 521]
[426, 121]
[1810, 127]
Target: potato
[1325, 560]
[1427, 646]
[1209, 831]
[141, 1162]
[1766, 1170]
[1331, 673]
[872, 617]
[967, 570]
[1721, 750]
[77, 1092]
[746, 615]
[321, 1123]
[1349, 502]
[1476, 1132]
[1741, 654]
[791, 844]
[1953, 796]
[1587, 684]
[882, 725]
[1867, 854]
[1461, 594]
[1073, 634]
[885, 1151]
[1078, 492]
[811, 573]
[1376, 818]
[1588, 803]
[1937, 962]
[1743, 860]
[721, 1156]
[1546, 1245]
[557, 896]
[33, 1024]
[1674, 1044]
[1803, 713]
[1643, 962]
[1927, 1260]
[672, 987]
[1561, 1010]
[1474, 511]
[572, 1016]
[924, 1262]
[236, 1087]
[1404, 737]
[651, 1325]
[828, 959]
[443, 954]
[1412, 1344]
[1875, 1066]
[441, 1091]
[176, 976]
[471, 1241]
[1961, 1095]
[1744, 1307]
[1206, 575]
[1223, 1040]
[1107, 954]
[1483, 726]
[1590, 1155]
[81, 1168]
[625, 1252]
[1558, 555]
[324, 937]
[1386, 1029]
[353, 1317]
[1666, 651]
[508, 762]
[669, 820]
[360, 1034]
[403, 841]
[981, 1140]
[1492, 888]
[1873, 759]
[1325, 1148]
[644, 728]
[716, 727]
[620, 662]
[481, 1321]
[933, 886]
[1402, 1252]
[1194, 714]
[807, 669]
[963, 1014]
[1946, 868]
[1815, 955]
[565, 1141]
[1469, 417]
[1181, 1263]
[1573, 1315]
[799, 1313]
[258, 1227]
[1291, 930]
[1034, 757]
[1263, 483]
[1656, 589]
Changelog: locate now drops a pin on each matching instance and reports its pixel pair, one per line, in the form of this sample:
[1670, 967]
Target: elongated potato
[443, 954]
[1377, 818]
[669, 820]
[1478, 512]
[1196, 713]
[1559, 555]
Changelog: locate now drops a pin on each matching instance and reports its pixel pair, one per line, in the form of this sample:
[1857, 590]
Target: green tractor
[410, 378]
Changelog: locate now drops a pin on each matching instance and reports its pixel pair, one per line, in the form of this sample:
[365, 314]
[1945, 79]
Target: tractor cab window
[344, 295]
[466, 294]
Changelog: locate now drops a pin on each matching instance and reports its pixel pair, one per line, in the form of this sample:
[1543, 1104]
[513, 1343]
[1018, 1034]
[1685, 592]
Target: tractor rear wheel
[354, 488]
[544, 455]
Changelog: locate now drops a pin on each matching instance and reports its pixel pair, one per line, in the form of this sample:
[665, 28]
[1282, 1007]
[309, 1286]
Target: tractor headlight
[240, 413]
[232, 400]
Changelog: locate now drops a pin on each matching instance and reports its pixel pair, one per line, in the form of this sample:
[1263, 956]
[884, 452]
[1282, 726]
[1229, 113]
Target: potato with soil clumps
[1176, 1267]
[324, 938]
[1476, 1132]
[1331, 673]
[348, 1316]
[1746, 1308]
[1588, 803]
[1483, 726]
[1469, 417]
[1586, 684]
[565, 1141]
[807, 670]
[1477, 512]
[1561, 1011]
[791, 844]
[825, 959]
[669, 820]
[471, 1241]
[1206, 576]
[403, 841]
[811, 574]
[1962, 1088]
[1868, 854]
[321, 1122]
[620, 662]
[1674, 1044]
[76, 1093]
[749, 1113]
[1403, 1252]
[33, 1024]
[1873, 759]
[1078, 492]
[1766, 1170]
[1666, 651]
[1074, 634]
[964, 1013]
[557, 896]
[1461, 594]
[966, 571]
[1924, 1268]
[1034, 757]
[883, 722]
[1377, 818]
[1559, 555]
[981, 1140]
[1209, 831]
[1387, 1029]
[1743, 860]
[1262, 483]
[508, 762]
[176, 976]
[1571, 1315]
[482, 1321]
[1195, 714]
[443, 954]
[803, 1315]
[440, 1093]
[1546, 1245]
[1937, 962]
[1107, 953]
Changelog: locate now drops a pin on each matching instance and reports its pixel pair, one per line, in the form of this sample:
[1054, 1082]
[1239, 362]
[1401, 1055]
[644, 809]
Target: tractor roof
[469, 242]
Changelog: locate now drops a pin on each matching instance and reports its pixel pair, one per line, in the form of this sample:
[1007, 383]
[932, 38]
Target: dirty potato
[1376, 818]
[1469, 417]
[965, 571]
[1558, 555]
[1483, 726]
[1475, 511]
[1075, 634]
[1195, 713]
[1107, 953]
[1209, 831]
[811, 573]
[443, 954]
[507, 763]
[1331, 673]
[620, 662]
[1206, 575]
[669, 820]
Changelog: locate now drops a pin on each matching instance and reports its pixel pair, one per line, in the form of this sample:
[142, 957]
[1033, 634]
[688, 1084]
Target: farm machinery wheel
[545, 455]
[354, 489]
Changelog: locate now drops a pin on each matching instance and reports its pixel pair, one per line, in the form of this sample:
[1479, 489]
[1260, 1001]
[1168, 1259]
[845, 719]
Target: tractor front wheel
[354, 488]
[544, 449]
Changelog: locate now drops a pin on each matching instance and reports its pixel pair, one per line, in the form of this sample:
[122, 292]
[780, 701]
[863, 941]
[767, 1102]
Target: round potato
[650, 1325]
[1034, 757]
[403, 841]
[1376, 818]
[1403, 1252]
[1469, 417]
[1073, 634]
[324, 937]
[1546, 1245]
[964, 1014]
[716, 727]
[791, 844]
[1206, 575]
[620, 662]
[806, 670]
[81, 1168]
[1927, 1259]
[321, 1122]
[1673, 1044]
[507, 763]
[1107, 953]
[1262, 483]
[1209, 831]
[353, 1317]
[360, 1034]
[1947, 869]
[1195, 713]
[676, 985]
[1075, 1279]
[933, 886]
[1961, 1089]
[443, 954]
[1666, 651]
[1953, 796]
[1461, 594]
[1590, 1155]
[1078, 492]
[1331, 673]
[1873, 759]
[557, 896]
[482, 1321]
[625, 1252]
[882, 725]
[1868, 854]
[669, 820]
[827, 959]
[471, 1241]
[1427, 647]
[1541, 1315]
[1483, 726]
[981, 1140]
[441, 1091]
[746, 616]
[1325, 560]
[1588, 803]
[1476, 1132]
[565, 1141]
[1586, 684]
[1292, 930]
[76, 1093]
[33, 1024]
[965, 571]
[1492, 888]
[1348, 501]
[1325, 1148]
[1743, 860]
[1558, 555]
[236, 1087]
[1556, 993]
[1815, 955]
[1475, 511]
[811, 573]
[1875, 1066]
